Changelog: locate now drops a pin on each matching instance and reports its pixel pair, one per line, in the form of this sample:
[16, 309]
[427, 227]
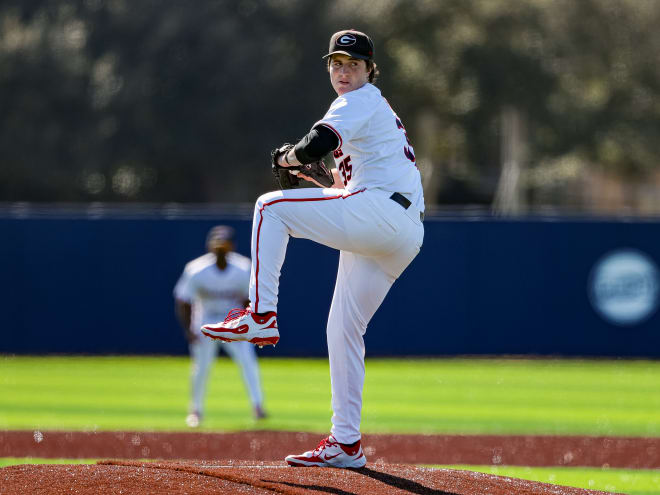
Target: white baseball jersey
[374, 151]
[213, 292]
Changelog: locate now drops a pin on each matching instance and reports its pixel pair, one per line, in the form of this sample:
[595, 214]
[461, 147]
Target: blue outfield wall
[479, 286]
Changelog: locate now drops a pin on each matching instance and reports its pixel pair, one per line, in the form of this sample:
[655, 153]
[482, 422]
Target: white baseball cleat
[193, 420]
[244, 325]
[330, 453]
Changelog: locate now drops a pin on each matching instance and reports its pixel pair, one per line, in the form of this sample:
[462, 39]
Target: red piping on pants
[261, 219]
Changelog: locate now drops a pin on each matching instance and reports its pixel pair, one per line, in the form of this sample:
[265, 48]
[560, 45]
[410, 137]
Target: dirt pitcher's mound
[249, 477]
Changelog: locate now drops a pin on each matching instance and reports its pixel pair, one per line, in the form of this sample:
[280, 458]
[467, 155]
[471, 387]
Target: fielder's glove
[287, 176]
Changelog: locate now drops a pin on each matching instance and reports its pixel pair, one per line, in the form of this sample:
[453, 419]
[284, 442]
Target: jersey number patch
[345, 169]
[407, 150]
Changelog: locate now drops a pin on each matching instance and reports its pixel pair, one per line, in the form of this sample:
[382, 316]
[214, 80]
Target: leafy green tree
[575, 74]
[507, 102]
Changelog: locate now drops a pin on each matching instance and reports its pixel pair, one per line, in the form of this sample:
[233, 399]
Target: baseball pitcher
[370, 208]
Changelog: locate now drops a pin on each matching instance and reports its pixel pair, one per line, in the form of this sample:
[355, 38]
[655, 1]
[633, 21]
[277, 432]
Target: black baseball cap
[352, 43]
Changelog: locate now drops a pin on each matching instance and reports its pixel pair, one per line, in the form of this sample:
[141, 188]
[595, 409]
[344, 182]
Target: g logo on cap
[346, 40]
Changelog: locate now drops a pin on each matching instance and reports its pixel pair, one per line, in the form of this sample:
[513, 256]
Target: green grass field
[405, 396]
[478, 396]
[640, 482]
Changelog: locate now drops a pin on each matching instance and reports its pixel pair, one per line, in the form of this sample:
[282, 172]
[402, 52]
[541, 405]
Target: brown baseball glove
[287, 176]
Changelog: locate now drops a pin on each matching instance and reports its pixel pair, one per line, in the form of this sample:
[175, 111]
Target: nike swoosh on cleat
[241, 329]
[328, 457]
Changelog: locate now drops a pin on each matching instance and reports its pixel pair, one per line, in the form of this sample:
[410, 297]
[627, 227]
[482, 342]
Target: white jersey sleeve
[184, 289]
[347, 120]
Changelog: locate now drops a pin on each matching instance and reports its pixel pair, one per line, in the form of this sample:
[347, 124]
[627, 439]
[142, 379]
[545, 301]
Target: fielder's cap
[352, 43]
[220, 233]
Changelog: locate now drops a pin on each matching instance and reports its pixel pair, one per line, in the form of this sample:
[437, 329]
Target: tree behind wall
[159, 101]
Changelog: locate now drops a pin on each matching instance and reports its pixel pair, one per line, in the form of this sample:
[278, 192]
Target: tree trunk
[510, 197]
[427, 132]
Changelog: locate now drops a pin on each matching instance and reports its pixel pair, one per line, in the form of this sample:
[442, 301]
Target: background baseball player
[208, 288]
[373, 216]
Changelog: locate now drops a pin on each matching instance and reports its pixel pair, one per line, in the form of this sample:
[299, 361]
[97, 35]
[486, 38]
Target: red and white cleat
[330, 453]
[244, 325]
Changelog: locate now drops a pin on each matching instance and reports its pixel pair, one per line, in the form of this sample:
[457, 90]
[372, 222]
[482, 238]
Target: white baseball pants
[204, 351]
[377, 239]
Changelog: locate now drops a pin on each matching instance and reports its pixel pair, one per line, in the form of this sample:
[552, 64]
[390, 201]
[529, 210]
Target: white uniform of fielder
[212, 293]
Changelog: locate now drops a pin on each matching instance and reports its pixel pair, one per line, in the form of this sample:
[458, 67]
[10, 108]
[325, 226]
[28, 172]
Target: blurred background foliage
[518, 105]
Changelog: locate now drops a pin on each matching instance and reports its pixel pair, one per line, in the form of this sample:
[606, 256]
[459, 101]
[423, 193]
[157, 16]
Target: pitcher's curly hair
[371, 67]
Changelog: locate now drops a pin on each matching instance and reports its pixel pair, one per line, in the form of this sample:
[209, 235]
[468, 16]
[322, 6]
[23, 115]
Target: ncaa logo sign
[346, 40]
[624, 286]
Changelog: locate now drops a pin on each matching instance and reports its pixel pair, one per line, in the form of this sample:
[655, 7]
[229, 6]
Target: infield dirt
[251, 462]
